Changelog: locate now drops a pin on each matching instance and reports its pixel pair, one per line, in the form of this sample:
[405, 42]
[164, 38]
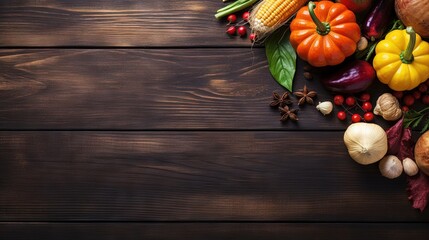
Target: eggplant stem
[323, 28]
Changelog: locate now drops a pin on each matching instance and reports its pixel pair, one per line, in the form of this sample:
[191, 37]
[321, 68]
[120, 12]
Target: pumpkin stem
[323, 28]
[407, 55]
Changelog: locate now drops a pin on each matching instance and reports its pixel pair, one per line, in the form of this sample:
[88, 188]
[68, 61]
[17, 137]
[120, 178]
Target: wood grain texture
[200, 156]
[192, 176]
[147, 89]
[212, 231]
[113, 23]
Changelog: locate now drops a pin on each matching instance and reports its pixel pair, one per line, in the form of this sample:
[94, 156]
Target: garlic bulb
[388, 107]
[390, 166]
[325, 107]
[365, 142]
[410, 167]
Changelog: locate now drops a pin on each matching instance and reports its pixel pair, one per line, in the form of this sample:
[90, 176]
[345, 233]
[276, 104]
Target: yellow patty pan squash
[402, 60]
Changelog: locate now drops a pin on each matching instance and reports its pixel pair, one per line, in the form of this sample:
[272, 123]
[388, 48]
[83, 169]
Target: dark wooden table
[143, 120]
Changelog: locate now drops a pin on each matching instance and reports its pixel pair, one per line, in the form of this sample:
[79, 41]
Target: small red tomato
[231, 18]
[369, 116]
[425, 99]
[417, 94]
[356, 6]
[423, 88]
[367, 106]
[405, 108]
[252, 37]
[338, 100]
[231, 30]
[242, 31]
[341, 115]
[350, 101]
[356, 118]
[365, 97]
[409, 100]
[398, 94]
[246, 16]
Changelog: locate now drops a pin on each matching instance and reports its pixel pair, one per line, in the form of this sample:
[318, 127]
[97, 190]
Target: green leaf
[425, 128]
[281, 58]
[417, 122]
[414, 118]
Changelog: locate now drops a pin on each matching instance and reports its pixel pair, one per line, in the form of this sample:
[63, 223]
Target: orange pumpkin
[324, 33]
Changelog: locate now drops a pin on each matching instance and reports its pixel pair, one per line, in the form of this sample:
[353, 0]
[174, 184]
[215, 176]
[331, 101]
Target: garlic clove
[362, 44]
[390, 166]
[325, 107]
[410, 167]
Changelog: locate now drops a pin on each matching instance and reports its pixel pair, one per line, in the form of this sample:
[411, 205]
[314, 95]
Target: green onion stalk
[234, 7]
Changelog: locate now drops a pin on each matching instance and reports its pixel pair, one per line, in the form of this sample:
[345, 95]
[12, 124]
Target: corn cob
[268, 15]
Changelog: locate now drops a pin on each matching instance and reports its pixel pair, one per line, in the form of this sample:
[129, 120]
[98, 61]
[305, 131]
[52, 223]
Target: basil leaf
[281, 58]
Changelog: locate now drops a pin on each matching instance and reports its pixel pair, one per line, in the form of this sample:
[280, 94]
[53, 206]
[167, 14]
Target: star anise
[305, 96]
[288, 113]
[280, 100]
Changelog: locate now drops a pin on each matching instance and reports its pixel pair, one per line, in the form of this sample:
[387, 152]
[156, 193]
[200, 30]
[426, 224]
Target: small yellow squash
[402, 60]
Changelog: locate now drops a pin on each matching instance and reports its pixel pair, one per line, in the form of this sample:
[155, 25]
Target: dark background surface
[142, 119]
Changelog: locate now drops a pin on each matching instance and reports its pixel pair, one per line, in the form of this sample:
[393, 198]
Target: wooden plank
[113, 23]
[192, 176]
[226, 231]
[147, 89]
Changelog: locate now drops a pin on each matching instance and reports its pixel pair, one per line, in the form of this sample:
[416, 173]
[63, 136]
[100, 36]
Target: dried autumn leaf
[407, 145]
[394, 136]
[418, 191]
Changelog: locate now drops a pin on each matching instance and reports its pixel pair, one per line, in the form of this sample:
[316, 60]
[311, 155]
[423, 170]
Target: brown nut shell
[421, 152]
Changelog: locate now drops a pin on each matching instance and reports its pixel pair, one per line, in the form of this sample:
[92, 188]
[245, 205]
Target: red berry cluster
[409, 98]
[350, 104]
[239, 28]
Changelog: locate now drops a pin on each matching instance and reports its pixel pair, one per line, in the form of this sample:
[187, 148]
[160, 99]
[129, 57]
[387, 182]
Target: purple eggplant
[352, 77]
[379, 19]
